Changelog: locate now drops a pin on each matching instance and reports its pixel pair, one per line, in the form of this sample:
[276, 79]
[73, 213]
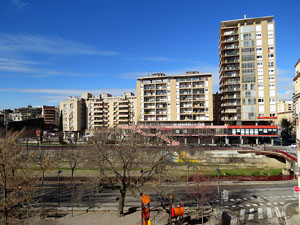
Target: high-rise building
[285, 111]
[248, 71]
[175, 99]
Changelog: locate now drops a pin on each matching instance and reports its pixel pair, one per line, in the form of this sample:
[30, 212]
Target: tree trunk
[202, 214]
[72, 194]
[43, 177]
[187, 176]
[122, 202]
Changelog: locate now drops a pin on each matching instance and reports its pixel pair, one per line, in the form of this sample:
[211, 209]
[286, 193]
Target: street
[246, 204]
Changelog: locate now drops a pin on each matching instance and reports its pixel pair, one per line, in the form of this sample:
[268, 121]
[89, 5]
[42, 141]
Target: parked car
[293, 145]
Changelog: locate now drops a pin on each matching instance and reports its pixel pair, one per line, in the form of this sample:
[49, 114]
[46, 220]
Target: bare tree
[43, 159]
[74, 158]
[202, 191]
[15, 184]
[123, 159]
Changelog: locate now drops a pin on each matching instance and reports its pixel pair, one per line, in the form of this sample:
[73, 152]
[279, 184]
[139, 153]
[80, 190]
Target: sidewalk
[292, 214]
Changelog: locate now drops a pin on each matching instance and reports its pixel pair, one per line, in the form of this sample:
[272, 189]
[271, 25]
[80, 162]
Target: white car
[293, 145]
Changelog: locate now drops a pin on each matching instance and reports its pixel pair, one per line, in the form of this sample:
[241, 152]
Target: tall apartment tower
[248, 80]
[175, 99]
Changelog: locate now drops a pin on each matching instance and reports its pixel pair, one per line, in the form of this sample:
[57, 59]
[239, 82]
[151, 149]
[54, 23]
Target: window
[259, 57]
[258, 35]
[271, 79]
[270, 26]
[258, 42]
[271, 64]
[260, 86]
[271, 71]
[270, 49]
[272, 100]
[258, 27]
[259, 71]
[272, 86]
[260, 79]
[271, 56]
[260, 100]
[270, 41]
[260, 64]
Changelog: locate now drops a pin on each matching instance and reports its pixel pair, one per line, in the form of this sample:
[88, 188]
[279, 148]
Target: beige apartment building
[90, 112]
[285, 110]
[73, 114]
[248, 81]
[175, 99]
[296, 99]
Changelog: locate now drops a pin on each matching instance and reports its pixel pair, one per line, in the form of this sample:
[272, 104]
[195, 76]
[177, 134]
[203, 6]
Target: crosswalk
[261, 213]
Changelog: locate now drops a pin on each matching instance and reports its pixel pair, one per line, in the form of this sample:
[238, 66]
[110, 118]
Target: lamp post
[58, 201]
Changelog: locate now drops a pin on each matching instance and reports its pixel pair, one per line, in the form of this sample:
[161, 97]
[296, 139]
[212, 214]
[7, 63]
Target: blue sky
[52, 49]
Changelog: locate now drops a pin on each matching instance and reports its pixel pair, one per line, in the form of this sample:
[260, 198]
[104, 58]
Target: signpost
[145, 220]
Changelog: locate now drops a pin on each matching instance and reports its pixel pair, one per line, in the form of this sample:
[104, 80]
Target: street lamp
[58, 173]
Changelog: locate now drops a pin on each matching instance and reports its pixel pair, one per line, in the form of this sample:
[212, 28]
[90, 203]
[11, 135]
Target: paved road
[259, 205]
[255, 204]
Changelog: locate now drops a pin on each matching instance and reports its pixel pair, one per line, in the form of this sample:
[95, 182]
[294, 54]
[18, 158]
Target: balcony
[231, 39]
[230, 33]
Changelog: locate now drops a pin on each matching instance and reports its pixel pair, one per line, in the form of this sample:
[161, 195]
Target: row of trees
[123, 159]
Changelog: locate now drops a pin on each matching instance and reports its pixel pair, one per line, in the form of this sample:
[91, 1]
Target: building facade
[248, 81]
[175, 99]
[89, 113]
[296, 100]
[49, 114]
[285, 111]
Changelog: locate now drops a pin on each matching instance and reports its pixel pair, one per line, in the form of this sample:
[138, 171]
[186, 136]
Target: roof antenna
[245, 16]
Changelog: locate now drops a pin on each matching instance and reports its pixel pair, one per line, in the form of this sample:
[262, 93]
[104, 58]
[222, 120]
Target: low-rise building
[49, 114]
[285, 111]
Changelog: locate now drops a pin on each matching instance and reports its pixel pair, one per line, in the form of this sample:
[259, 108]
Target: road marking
[251, 214]
[265, 197]
[226, 206]
[233, 206]
[245, 199]
[281, 203]
[255, 205]
[251, 198]
[278, 214]
[239, 199]
[248, 205]
[241, 206]
[275, 203]
[269, 212]
[261, 204]
[242, 214]
[260, 213]
[283, 212]
[282, 196]
[233, 221]
[232, 200]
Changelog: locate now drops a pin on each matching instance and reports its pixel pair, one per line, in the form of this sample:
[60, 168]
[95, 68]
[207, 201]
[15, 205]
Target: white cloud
[68, 92]
[27, 67]
[19, 3]
[48, 45]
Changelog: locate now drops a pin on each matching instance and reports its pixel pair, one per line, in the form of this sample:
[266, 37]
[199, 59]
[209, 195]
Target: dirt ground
[107, 218]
